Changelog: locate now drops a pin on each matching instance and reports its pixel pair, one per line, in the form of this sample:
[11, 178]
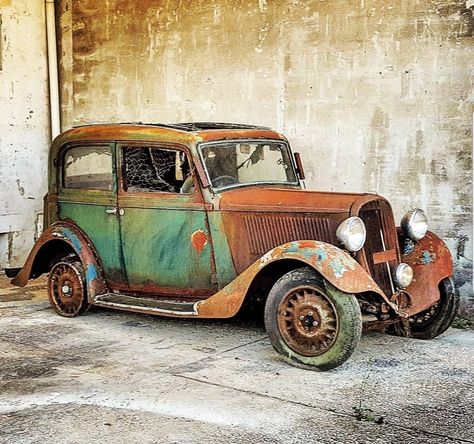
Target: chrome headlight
[351, 233]
[415, 224]
[403, 275]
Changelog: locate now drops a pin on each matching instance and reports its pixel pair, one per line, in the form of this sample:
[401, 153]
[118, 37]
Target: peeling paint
[427, 257]
[199, 240]
[321, 255]
[75, 241]
[338, 268]
[91, 272]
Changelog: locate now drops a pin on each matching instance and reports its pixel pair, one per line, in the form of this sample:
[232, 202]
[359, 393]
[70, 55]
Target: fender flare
[72, 235]
[431, 262]
[334, 264]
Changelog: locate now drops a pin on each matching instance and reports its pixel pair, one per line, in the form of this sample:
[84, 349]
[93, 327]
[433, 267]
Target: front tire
[438, 318]
[66, 288]
[311, 323]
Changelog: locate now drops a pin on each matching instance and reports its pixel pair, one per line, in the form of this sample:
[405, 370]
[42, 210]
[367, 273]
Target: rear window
[88, 168]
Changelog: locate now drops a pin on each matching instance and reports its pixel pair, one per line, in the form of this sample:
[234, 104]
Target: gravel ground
[119, 377]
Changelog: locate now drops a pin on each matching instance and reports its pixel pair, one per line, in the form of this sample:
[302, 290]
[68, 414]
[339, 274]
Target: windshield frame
[202, 145]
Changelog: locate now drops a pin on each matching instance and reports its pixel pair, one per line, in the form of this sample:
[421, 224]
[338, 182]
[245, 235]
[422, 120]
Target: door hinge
[214, 279]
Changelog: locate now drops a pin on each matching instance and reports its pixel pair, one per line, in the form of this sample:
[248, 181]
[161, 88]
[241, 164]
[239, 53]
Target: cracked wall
[376, 95]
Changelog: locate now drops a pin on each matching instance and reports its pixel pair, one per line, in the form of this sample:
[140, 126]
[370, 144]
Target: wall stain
[376, 97]
[21, 190]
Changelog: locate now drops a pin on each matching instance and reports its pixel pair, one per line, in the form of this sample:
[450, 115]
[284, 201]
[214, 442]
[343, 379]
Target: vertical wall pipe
[54, 105]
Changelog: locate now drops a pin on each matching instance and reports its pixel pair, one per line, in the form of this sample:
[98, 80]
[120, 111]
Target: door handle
[111, 210]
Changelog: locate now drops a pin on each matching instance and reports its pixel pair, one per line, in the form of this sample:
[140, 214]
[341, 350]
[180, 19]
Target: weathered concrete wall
[377, 95]
[24, 127]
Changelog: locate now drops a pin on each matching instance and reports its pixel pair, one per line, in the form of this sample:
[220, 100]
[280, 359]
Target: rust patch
[199, 240]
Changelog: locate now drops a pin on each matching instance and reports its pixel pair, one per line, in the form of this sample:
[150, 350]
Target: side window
[156, 169]
[88, 167]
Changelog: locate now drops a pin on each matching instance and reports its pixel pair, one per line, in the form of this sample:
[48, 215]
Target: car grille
[266, 232]
[380, 253]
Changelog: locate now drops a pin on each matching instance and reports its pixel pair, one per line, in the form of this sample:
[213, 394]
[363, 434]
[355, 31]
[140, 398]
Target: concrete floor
[116, 377]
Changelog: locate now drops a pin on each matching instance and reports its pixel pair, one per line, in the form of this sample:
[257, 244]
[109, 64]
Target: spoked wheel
[308, 321]
[311, 323]
[66, 289]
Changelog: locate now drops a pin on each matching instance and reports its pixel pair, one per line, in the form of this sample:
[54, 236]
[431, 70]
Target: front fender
[334, 264]
[70, 234]
[432, 262]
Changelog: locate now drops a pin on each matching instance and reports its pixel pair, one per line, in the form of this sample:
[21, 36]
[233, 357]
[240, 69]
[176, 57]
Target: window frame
[85, 144]
[196, 194]
[219, 190]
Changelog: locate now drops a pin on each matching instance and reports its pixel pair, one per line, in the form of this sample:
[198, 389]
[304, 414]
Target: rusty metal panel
[431, 261]
[267, 231]
[340, 269]
[251, 235]
[69, 233]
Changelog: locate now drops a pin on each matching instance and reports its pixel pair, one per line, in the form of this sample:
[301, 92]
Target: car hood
[290, 200]
[258, 219]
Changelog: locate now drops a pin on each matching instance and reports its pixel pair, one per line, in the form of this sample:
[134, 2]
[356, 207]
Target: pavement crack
[328, 410]
[196, 365]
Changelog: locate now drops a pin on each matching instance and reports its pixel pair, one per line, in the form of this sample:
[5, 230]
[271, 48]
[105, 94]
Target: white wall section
[24, 127]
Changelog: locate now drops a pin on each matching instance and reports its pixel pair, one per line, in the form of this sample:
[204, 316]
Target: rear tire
[66, 288]
[310, 323]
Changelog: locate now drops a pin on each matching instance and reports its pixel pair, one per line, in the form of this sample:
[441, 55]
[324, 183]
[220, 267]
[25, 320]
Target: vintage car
[197, 220]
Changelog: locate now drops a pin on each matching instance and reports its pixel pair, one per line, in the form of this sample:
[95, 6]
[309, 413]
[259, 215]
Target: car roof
[188, 133]
[189, 126]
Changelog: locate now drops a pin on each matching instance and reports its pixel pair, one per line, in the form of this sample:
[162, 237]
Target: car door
[164, 228]
[88, 197]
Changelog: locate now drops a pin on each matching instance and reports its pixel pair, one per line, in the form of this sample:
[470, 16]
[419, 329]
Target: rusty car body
[200, 219]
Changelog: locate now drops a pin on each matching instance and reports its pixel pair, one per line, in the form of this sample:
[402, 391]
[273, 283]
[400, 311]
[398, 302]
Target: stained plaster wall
[24, 127]
[376, 95]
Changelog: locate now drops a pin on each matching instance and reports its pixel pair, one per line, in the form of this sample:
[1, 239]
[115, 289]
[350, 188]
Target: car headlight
[403, 275]
[351, 233]
[415, 224]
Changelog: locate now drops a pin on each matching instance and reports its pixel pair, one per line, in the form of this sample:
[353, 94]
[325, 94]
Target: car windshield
[238, 163]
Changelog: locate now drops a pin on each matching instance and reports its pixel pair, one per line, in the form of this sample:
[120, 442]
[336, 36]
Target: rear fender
[71, 235]
[334, 264]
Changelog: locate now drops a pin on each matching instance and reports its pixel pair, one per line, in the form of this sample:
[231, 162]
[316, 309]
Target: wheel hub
[66, 289]
[307, 321]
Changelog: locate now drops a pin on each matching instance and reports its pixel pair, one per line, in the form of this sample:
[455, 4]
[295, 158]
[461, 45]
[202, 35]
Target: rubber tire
[444, 317]
[347, 309]
[85, 304]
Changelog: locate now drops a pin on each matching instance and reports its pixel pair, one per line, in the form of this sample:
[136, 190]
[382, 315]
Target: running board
[146, 305]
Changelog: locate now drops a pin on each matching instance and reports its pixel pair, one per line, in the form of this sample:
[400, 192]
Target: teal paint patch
[321, 255]
[307, 253]
[293, 248]
[347, 261]
[427, 257]
[76, 243]
[91, 273]
[338, 267]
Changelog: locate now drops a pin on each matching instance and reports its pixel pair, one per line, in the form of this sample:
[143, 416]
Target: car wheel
[436, 319]
[66, 289]
[311, 323]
